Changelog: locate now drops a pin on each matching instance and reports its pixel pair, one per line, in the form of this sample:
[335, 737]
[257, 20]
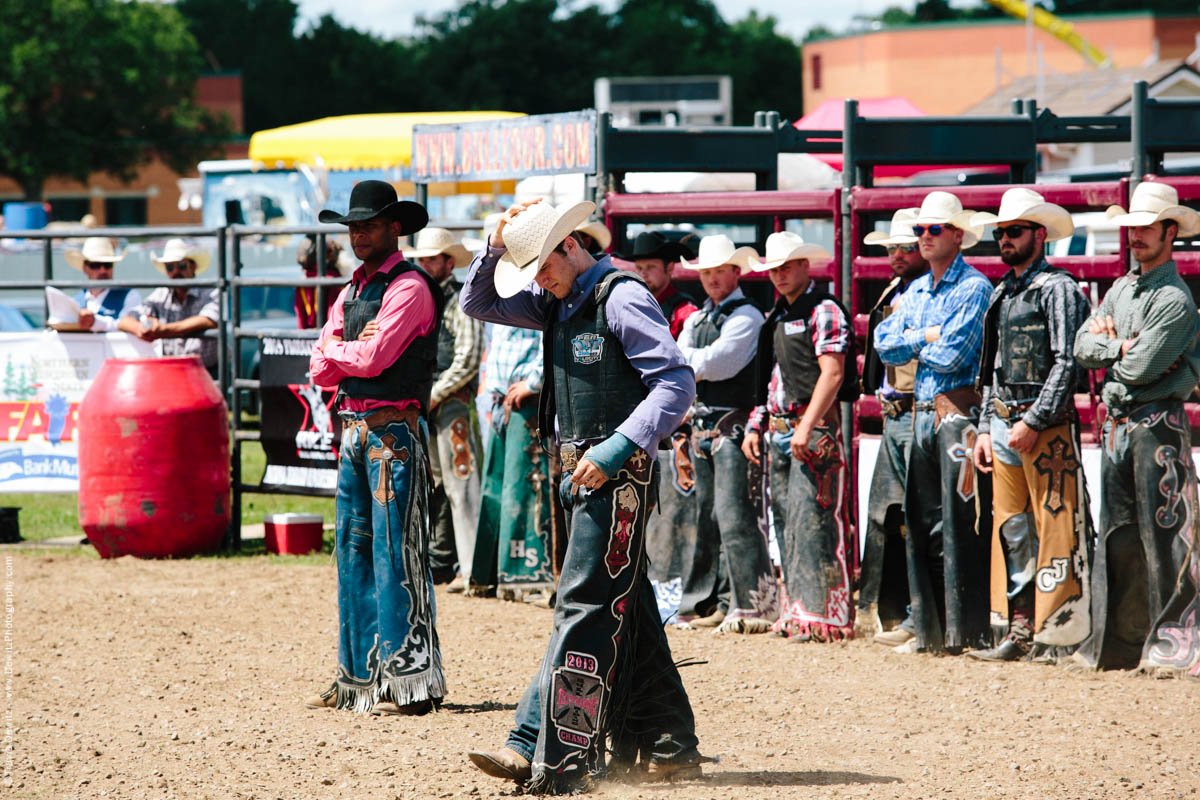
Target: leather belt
[1007, 410]
[894, 408]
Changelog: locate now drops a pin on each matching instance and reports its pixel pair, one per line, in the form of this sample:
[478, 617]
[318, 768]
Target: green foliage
[89, 85]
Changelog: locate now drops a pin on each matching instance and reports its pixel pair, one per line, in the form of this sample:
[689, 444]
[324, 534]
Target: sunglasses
[98, 265]
[903, 248]
[934, 230]
[1011, 231]
[175, 266]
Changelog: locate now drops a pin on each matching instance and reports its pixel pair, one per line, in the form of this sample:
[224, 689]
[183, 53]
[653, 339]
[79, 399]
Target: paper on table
[63, 309]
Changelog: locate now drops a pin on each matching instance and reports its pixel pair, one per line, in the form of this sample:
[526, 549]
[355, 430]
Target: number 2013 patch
[587, 348]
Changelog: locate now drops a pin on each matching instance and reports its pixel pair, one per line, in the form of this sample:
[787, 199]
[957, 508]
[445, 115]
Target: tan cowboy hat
[900, 231]
[943, 208]
[434, 242]
[1153, 201]
[178, 250]
[1026, 205]
[596, 229]
[531, 237]
[95, 248]
[784, 246]
[718, 250]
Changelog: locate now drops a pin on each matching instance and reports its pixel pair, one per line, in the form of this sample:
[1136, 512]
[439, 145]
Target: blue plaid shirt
[958, 304]
[513, 355]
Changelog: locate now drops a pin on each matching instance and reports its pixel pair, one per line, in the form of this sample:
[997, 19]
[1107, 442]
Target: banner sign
[548, 144]
[43, 377]
[300, 433]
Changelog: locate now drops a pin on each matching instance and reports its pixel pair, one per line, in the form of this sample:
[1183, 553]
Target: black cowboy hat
[670, 246]
[371, 199]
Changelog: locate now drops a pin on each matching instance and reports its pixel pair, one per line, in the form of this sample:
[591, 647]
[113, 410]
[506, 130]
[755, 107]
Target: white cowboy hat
[434, 242]
[900, 231]
[1153, 201]
[178, 250]
[943, 208]
[1027, 205]
[596, 229]
[783, 246]
[95, 248]
[718, 250]
[531, 237]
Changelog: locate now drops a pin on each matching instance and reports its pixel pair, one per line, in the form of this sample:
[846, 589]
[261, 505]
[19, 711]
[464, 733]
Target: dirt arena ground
[137, 679]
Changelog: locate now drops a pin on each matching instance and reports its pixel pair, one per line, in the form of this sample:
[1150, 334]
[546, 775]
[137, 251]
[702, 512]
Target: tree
[110, 89]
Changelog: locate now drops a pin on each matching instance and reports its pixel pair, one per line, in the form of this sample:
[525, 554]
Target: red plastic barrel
[153, 459]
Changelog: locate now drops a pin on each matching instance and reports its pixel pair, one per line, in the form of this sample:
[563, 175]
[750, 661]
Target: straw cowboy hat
[95, 248]
[371, 199]
[718, 250]
[943, 208]
[1026, 205]
[178, 250]
[1153, 201]
[531, 237]
[435, 241]
[900, 231]
[784, 246]
[597, 230]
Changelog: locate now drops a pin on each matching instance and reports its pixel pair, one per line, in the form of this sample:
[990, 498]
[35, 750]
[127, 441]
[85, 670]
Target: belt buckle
[889, 408]
[568, 454]
[1001, 408]
[780, 425]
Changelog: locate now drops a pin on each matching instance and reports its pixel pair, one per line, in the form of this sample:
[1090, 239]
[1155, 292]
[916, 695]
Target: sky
[395, 17]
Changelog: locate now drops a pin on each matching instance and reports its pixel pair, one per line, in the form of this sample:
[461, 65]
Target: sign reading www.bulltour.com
[547, 144]
[300, 432]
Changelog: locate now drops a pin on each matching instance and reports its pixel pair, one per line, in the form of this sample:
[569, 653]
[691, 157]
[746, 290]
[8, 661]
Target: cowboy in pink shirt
[379, 348]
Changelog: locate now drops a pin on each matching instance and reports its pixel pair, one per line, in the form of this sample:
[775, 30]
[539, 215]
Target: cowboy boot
[1016, 645]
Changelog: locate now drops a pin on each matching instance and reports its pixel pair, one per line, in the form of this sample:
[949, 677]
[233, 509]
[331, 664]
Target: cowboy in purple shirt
[616, 384]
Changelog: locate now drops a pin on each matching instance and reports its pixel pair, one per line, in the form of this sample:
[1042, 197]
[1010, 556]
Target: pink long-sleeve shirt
[407, 311]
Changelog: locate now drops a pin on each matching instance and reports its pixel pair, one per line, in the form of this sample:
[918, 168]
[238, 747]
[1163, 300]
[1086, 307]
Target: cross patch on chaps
[384, 455]
[963, 452]
[1056, 462]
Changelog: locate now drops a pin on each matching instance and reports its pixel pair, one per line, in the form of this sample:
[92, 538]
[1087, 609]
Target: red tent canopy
[831, 115]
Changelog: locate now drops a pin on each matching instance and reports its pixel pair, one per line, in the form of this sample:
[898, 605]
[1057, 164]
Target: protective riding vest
[738, 391]
[1016, 340]
[672, 303]
[110, 306]
[902, 379]
[411, 375]
[594, 386]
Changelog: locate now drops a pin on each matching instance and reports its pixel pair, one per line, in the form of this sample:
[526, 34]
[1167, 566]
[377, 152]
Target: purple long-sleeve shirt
[634, 317]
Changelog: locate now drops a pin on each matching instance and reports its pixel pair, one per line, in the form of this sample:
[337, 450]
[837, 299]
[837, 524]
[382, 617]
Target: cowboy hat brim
[742, 258]
[886, 238]
[411, 216]
[1187, 218]
[75, 259]
[462, 256]
[1055, 219]
[511, 278]
[812, 252]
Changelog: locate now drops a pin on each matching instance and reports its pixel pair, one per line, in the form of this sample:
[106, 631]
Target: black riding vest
[797, 357]
[595, 387]
[445, 337]
[738, 391]
[874, 370]
[1016, 343]
[411, 375]
[672, 303]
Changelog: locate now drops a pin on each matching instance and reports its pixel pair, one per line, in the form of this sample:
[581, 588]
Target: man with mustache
[1145, 607]
[1029, 434]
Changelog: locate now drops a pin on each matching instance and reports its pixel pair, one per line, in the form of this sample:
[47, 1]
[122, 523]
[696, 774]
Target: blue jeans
[387, 644]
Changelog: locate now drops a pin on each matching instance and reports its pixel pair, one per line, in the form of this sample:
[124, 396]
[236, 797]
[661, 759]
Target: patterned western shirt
[468, 349]
[1065, 309]
[958, 303]
[1158, 312]
[514, 355]
[162, 305]
[830, 334]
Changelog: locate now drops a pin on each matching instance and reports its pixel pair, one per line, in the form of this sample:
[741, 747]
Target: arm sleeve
[1168, 330]
[897, 339]
[321, 370]
[478, 299]
[962, 332]
[636, 319]
[1098, 350]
